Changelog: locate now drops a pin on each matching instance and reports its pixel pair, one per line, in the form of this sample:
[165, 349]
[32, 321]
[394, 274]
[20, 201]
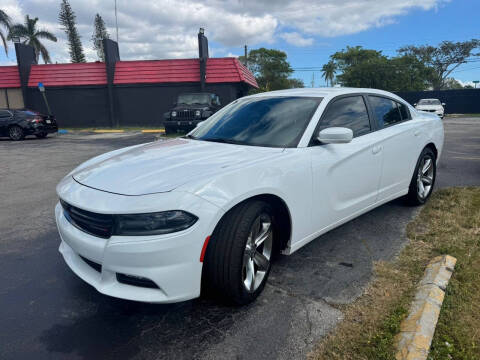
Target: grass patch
[448, 224]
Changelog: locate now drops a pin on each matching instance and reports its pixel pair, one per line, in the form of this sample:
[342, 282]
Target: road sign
[41, 87]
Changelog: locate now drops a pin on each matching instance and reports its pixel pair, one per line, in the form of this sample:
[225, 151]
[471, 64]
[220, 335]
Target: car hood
[165, 165]
[429, 107]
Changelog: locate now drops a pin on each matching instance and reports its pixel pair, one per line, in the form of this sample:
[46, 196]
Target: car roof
[428, 99]
[325, 92]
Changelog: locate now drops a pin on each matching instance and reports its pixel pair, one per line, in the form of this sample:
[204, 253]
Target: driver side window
[350, 112]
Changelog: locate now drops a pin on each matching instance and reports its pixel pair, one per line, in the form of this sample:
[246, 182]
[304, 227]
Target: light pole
[116, 20]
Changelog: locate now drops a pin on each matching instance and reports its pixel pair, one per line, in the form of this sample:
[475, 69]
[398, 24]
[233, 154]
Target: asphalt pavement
[46, 312]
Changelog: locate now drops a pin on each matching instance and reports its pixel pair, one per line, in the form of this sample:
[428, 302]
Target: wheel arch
[282, 215]
[432, 146]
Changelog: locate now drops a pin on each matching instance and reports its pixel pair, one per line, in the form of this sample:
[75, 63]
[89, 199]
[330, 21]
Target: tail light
[36, 119]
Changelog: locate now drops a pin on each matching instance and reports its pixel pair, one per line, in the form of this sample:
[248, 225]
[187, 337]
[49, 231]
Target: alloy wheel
[15, 133]
[425, 176]
[257, 253]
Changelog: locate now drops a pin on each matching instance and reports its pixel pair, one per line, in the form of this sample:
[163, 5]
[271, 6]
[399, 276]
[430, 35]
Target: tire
[423, 179]
[41, 135]
[16, 133]
[234, 266]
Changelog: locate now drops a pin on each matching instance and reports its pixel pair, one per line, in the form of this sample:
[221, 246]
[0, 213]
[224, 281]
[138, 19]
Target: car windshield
[260, 121]
[192, 99]
[429, 102]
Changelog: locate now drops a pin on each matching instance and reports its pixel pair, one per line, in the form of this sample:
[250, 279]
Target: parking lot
[49, 313]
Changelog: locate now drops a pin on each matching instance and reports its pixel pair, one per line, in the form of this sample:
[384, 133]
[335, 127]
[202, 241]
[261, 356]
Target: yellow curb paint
[109, 131]
[416, 331]
[154, 131]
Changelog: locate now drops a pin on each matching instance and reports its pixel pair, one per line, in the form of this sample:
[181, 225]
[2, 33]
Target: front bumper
[171, 261]
[182, 124]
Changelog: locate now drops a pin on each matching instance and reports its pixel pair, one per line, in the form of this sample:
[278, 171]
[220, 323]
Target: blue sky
[309, 31]
[455, 21]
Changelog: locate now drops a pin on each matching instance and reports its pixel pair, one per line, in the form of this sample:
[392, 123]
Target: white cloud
[157, 29]
[295, 38]
[465, 83]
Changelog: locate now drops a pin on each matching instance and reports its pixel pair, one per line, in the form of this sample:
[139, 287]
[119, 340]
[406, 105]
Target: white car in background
[267, 173]
[431, 105]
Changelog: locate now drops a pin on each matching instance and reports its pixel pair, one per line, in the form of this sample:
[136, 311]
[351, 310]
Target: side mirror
[335, 135]
[415, 104]
[443, 104]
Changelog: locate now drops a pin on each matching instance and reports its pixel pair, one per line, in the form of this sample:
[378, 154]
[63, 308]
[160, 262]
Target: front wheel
[237, 261]
[423, 179]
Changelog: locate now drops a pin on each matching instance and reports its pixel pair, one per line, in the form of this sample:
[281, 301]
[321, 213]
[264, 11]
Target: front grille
[185, 114]
[92, 264]
[100, 225]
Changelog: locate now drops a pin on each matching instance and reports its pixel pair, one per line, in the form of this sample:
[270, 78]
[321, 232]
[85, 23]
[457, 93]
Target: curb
[416, 331]
[154, 131]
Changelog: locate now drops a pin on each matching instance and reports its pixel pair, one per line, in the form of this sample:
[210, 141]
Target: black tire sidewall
[413, 191]
[223, 262]
[244, 295]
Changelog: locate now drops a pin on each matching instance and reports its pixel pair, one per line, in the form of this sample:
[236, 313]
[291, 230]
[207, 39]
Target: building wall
[73, 106]
[11, 98]
[135, 105]
[144, 105]
[461, 101]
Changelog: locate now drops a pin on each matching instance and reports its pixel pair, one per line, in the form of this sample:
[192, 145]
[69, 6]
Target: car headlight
[174, 113]
[164, 222]
[198, 113]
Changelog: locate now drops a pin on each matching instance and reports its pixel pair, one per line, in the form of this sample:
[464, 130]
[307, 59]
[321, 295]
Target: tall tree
[5, 22]
[370, 68]
[30, 35]
[100, 32]
[271, 69]
[329, 70]
[67, 19]
[443, 59]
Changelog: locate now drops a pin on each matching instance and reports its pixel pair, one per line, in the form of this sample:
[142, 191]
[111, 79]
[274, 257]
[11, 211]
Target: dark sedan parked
[17, 124]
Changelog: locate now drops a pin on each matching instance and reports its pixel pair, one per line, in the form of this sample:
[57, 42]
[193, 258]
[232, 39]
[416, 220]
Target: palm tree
[329, 70]
[31, 36]
[4, 22]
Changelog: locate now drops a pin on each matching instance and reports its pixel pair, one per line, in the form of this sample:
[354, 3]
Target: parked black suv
[189, 110]
[17, 124]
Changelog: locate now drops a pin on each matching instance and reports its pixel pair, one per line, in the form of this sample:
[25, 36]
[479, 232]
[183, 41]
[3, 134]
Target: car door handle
[416, 133]
[376, 149]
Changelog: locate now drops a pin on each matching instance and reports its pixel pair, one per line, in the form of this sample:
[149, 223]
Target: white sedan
[431, 105]
[268, 173]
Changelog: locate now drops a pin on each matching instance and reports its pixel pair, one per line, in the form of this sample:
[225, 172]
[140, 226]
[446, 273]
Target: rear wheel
[423, 178]
[237, 262]
[16, 133]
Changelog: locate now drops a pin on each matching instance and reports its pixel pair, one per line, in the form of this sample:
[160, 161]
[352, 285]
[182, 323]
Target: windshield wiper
[224, 141]
[188, 136]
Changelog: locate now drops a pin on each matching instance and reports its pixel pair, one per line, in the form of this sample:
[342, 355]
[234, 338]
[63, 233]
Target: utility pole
[116, 20]
[246, 54]
[313, 79]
